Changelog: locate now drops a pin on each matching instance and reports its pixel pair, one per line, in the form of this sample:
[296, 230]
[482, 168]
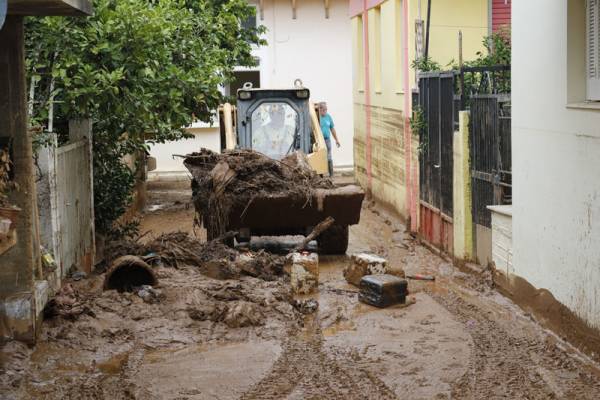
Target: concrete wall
[166, 164]
[20, 265]
[383, 79]
[556, 156]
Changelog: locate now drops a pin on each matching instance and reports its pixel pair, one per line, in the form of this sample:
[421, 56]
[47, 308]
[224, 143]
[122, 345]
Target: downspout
[427, 30]
[367, 94]
[411, 172]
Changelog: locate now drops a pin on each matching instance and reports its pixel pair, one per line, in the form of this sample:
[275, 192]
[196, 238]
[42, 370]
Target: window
[399, 46]
[240, 78]
[593, 49]
[250, 22]
[360, 53]
[274, 127]
[377, 49]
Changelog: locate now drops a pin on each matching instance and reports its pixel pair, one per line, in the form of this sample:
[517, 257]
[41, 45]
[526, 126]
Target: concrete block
[41, 296]
[364, 264]
[304, 272]
[17, 318]
[302, 281]
[309, 261]
[375, 265]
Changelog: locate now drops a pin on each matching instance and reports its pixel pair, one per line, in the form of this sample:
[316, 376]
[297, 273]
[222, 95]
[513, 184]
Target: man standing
[328, 129]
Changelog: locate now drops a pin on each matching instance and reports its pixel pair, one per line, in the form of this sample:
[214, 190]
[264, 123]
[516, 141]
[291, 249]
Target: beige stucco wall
[387, 81]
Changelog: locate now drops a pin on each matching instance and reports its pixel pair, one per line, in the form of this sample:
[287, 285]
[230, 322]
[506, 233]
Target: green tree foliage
[425, 64]
[141, 69]
[497, 50]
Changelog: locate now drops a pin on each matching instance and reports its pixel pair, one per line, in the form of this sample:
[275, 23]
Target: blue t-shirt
[326, 125]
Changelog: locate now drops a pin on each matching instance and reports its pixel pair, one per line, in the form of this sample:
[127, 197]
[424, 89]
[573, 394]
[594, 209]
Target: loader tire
[334, 240]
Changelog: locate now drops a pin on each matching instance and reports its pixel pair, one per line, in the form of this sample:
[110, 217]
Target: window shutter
[593, 50]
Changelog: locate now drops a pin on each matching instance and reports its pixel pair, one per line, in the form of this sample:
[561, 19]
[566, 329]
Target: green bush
[141, 69]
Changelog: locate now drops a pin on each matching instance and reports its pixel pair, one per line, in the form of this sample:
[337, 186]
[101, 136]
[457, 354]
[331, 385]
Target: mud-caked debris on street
[220, 322]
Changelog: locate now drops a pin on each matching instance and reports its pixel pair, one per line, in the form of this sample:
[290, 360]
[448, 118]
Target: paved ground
[460, 340]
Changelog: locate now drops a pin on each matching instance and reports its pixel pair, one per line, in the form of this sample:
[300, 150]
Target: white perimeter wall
[165, 163]
[316, 50]
[556, 159]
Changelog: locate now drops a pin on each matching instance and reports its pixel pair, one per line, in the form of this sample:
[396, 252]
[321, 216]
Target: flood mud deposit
[216, 328]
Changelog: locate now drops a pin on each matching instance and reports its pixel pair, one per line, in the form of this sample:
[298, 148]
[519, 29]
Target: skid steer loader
[277, 122]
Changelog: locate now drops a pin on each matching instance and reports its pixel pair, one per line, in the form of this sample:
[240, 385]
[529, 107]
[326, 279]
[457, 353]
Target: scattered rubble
[67, 304]
[148, 294]
[174, 249]
[260, 264]
[306, 306]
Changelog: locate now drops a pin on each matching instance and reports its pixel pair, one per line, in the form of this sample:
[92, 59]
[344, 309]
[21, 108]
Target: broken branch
[320, 228]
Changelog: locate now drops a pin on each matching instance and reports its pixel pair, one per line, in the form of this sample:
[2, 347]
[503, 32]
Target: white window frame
[592, 50]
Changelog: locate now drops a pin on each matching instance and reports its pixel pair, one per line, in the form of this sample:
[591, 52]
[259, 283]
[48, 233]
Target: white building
[310, 40]
[556, 150]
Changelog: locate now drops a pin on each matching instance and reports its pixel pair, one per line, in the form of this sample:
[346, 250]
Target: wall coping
[504, 210]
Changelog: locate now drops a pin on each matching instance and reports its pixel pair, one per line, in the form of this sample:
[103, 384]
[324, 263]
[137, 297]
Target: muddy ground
[203, 338]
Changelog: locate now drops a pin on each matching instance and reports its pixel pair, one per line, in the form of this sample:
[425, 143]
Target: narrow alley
[274, 199]
[460, 339]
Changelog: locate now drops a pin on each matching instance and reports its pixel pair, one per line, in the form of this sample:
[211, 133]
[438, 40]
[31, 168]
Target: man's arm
[337, 142]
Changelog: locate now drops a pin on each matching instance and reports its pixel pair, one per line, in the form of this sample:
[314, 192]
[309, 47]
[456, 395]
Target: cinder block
[309, 261]
[302, 281]
[304, 272]
[364, 264]
[18, 317]
[375, 265]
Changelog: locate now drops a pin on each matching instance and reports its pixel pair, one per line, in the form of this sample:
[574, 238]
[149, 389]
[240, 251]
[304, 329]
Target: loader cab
[275, 122]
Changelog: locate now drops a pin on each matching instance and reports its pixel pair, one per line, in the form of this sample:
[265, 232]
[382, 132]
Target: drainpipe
[367, 94]
[427, 30]
[411, 171]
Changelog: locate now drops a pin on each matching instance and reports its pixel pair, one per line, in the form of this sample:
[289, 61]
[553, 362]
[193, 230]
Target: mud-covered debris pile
[234, 178]
[213, 258]
[67, 303]
[175, 249]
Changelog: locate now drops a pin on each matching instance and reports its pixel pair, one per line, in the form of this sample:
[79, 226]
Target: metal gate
[490, 141]
[436, 103]
[74, 200]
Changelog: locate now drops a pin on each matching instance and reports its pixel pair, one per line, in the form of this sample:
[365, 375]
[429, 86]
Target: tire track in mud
[505, 365]
[305, 371]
